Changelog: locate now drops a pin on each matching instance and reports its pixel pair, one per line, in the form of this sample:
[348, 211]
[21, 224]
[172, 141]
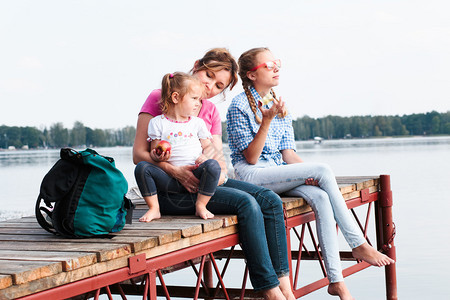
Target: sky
[97, 61]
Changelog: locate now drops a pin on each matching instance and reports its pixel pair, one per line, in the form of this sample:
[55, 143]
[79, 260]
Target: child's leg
[153, 211]
[144, 174]
[200, 207]
[208, 173]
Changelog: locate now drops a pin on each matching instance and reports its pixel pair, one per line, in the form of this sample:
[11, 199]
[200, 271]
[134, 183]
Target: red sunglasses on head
[269, 65]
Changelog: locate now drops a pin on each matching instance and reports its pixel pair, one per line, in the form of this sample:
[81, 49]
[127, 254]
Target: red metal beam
[388, 226]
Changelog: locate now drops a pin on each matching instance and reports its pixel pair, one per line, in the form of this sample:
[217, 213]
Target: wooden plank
[31, 287]
[25, 271]
[9, 224]
[351, 195]
[104, 251]
[69, 260]
[190, 241]
[207, 225]
[373, 189]
[137, 243]
[15, 231]
[291, 202]
[162, 236]
[352, 179]
[230, 221]
[5, 281]
[186, 230]
[346, 188]
[361, 182]
[298, 210]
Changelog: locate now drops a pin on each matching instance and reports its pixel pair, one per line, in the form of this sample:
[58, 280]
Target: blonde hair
[246, 62]
[178, 82]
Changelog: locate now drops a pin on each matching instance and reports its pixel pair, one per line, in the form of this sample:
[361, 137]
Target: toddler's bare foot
[150, 215]
[202, 212]
[340, 289]
[370, 255]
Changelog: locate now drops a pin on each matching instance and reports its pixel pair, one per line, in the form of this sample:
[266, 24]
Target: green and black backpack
[83, 195]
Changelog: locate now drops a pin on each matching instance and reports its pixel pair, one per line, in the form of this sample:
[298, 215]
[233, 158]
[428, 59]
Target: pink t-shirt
[208, 112]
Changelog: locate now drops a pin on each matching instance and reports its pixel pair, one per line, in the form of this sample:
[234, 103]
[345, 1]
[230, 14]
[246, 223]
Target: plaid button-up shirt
[242, 128]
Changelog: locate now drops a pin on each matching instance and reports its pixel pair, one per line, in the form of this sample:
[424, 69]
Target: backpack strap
[40, 217]
[129, 206]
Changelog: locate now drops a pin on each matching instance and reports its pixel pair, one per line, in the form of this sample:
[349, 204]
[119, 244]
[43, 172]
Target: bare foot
[340, 289]
[285, 287]
[150, 215]
[370, 255]
[202, 212]
[273, 294]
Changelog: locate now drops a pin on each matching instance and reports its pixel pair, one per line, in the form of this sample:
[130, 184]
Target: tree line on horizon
[305, 128]
[57, 136]
[336, 127]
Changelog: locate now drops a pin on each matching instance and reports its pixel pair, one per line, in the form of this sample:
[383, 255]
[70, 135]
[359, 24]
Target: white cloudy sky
[96, 61]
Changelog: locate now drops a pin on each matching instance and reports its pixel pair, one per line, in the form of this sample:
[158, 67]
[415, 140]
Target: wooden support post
[385, 204]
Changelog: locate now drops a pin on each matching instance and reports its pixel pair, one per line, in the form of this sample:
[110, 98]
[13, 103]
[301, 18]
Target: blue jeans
[152, 179]
[326, 201]
[262, 231]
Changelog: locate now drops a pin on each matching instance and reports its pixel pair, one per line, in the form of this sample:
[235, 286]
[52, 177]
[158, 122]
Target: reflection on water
[28, 157]
[419, 169]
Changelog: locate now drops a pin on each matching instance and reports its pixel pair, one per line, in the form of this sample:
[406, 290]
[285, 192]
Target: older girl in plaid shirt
[261, 139]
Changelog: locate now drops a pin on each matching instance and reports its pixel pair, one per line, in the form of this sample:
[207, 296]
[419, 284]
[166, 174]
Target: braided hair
[246, 62]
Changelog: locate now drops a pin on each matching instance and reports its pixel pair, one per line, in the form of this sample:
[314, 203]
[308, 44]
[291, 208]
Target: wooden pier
[35, 264]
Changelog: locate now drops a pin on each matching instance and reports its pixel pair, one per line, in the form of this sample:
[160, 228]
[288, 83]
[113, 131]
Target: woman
[261, 138]
[259, 210]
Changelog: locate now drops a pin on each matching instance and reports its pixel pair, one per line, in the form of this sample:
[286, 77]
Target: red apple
[162, 147]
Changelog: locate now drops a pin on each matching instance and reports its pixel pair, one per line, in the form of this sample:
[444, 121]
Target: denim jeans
[326, 201]
[152, 179]
[262, 232]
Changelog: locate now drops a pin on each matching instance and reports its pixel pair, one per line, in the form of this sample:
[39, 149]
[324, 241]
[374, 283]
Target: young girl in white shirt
[190, 143]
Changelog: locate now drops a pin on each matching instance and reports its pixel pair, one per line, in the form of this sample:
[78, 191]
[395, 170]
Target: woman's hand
[222, 178]
[312, 181]
[185, 176]
[201, 159]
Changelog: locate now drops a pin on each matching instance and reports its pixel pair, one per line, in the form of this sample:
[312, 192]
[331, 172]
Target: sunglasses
[270, 65]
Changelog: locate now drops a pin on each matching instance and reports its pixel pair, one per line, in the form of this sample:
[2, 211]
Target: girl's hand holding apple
[162, 151]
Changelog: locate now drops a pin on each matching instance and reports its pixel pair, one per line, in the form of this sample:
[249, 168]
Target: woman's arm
[219, 156]
[290, 156]
[207, 151]
[141, 152]
[141, 148]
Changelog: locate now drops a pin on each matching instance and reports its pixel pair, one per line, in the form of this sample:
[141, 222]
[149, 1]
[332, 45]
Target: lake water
[420, 181]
